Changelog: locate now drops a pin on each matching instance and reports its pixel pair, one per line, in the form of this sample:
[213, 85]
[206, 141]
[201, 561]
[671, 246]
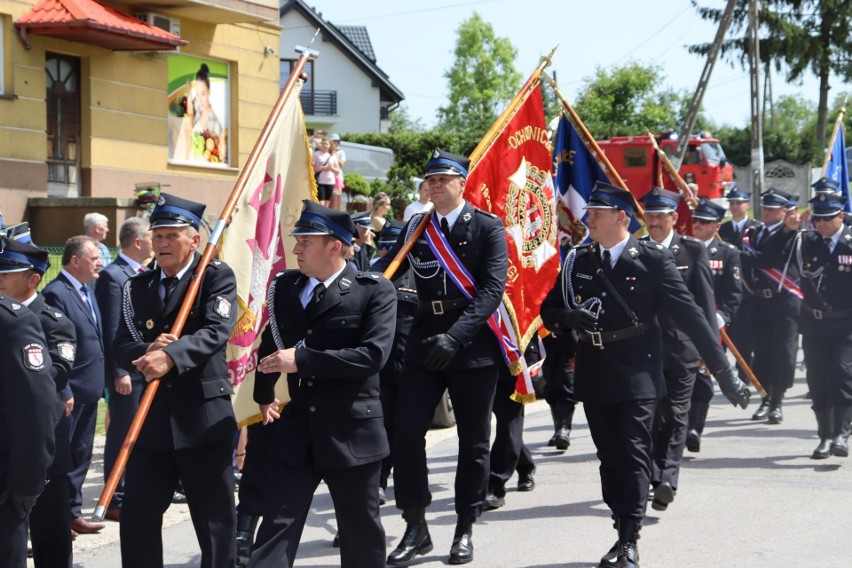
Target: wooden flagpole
[838, 124]
[593, 146]
[477, 153]
[675, 175]
[195, 282]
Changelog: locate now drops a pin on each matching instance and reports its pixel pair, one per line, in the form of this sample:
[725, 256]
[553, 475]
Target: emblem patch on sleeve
[66, 350]
[34, 356]
[223, 307]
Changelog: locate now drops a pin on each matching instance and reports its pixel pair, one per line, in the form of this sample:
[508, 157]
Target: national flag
[512, 179]
[257, 247]
[838, 167]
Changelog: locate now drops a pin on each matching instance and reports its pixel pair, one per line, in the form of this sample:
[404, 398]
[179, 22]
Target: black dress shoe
[383, 498]
[492, 501]
[840, 447]
[823, 451]
[776, 416]
[415, 541]
[526, 482]
[335, 543]
[179, 498]
[562, 439]
[664, 494]
[462, 549]
[628, 555]
[552, 441]
[762, 411]
[693, 441]
[609, 559]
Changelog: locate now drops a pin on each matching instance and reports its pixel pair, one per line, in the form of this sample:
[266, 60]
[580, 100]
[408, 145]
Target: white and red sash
[776, 276]
[463, 280]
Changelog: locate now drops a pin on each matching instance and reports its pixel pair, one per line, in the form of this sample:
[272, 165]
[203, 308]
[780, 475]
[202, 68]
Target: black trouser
[557, 371]
[828, 355]
[669, 428]
[50, 525]
[122, 409]
[13, 537]
[740, 332]
[622, 436]
[775, 345]
[702, 394]
[207, 475]
[508, 452]
[472, 393]
[390, 401]
[252, 483]
[289, 492]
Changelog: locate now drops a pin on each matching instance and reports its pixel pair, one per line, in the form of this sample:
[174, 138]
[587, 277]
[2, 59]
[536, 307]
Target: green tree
[800, 36]
[482, 80]
[626, 100]
[401, 121]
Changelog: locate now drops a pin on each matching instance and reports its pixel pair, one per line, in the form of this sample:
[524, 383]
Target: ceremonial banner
[512, 179]
[257, 247]
[838, 168]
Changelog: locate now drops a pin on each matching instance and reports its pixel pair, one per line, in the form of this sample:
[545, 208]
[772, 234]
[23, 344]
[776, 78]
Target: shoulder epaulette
[11, 305]
[650, 245]
[53, 312]
[726, 244]
[368, 276]
[690, 239]
[486, 213]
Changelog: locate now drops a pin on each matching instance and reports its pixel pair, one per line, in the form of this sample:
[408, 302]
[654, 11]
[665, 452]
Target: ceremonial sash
[776, 276]
[457, 272]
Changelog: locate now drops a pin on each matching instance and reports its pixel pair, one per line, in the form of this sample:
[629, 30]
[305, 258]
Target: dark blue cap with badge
[793, 202]
[774, 198]
[447, 164]
[737, 194]
[390, 233]
[18, 256]
[317, 219]
[660, 200]
[827, 204]
[606, 196]
[362, 219]
[707, 210]
[173, 211]
[826, 185]
[19, 232]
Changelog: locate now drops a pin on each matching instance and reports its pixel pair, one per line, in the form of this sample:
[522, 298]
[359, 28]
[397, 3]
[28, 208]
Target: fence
[55, 256]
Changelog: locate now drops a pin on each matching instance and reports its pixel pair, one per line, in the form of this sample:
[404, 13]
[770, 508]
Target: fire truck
[704, 164]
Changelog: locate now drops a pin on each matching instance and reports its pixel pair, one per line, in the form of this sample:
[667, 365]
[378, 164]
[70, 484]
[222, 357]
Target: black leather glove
[733, 388]
[580, 319]
[444, 348]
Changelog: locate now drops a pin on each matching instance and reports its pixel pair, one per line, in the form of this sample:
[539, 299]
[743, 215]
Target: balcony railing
[319, 103]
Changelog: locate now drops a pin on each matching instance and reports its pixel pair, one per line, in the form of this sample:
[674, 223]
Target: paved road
[751, 498]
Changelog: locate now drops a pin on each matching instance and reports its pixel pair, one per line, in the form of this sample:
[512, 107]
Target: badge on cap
[34, 356]
[222, 307]
[161, 200]
[436, 154]
[66, 350]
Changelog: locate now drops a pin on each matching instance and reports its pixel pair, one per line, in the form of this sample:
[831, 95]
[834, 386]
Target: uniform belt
[826, 315]
[764, 293]
[440, 307]
[599, 338]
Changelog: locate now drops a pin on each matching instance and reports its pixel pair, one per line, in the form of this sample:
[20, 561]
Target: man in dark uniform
[363, 248]
[22, 267]
[610, 292]
[727, 290]
[450, 347]
[558, 372]
[732, 231]
[27, 424]
[189, 430]
[825, 260]
[331, 331]
[830, 187]
[776, 306]
[680, 357]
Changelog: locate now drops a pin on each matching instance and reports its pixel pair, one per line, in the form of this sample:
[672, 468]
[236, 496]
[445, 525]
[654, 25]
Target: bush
[357, 184]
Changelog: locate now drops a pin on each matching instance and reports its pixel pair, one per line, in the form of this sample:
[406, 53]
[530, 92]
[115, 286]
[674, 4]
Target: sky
[414, 43]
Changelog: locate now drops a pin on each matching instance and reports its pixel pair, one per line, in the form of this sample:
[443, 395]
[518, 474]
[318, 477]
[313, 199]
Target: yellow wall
[124, 112]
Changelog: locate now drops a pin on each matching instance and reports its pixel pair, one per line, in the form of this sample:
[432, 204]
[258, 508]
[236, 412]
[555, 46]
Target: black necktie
[607, 260]
[316, 295]
[445, 227]
[828, 242]
[169, 284]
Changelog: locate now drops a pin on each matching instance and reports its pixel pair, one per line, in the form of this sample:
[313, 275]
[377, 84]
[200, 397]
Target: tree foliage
[626, 100]
[482, 80]
[401, 121]
[799, 36]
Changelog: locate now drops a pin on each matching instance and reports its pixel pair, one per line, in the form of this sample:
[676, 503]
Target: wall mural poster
[199, 111]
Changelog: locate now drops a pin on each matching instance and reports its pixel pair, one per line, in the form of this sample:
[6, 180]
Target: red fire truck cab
[704, 164]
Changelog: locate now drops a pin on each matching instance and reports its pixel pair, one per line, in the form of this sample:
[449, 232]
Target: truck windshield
[713, 152]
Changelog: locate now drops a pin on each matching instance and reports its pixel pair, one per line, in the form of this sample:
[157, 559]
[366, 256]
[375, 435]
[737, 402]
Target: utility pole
[756, 115]
[695, 103]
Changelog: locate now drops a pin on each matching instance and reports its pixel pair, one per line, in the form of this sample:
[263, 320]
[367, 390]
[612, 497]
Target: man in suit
[188, 433]
[331, 331]
[70, 294]
[125, 386]
[680, 357]
[610, 292]
[727, 291]
[27, 424]
[449, 347]
[22, 266]
[776, 302]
